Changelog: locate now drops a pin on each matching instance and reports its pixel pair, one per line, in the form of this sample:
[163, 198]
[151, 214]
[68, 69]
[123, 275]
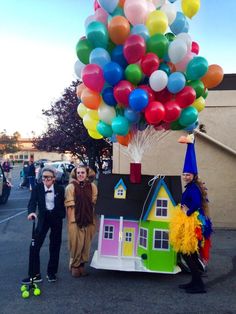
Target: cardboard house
[134, 223]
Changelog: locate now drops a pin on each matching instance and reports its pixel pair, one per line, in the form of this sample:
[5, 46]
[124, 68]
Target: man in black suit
[48, 199]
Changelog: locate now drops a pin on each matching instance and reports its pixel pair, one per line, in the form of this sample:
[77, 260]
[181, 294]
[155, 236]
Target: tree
[8, 144]
[66, 132]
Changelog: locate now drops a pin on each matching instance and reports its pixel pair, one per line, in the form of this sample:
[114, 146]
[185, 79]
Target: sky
[37, 52]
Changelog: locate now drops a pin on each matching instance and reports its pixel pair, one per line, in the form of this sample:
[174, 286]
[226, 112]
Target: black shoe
[196, 290]
[28, 280]
[186, 285]
[51, 278]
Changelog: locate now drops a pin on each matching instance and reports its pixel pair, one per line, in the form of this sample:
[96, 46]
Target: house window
[143, 235]
[21, 157]
[128, 237]
[108, 232]
[120, 192]
[26, 157]
[161, 240]
[161, 207]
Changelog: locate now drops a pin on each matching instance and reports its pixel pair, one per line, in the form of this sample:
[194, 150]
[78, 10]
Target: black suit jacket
[37, 201]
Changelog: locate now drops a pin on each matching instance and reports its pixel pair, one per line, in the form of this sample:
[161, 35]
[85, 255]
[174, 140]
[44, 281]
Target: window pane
[165, 245]
[164, 203]
[158, 203]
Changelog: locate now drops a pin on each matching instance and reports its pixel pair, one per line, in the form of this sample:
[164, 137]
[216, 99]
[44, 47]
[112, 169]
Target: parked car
[5, 187]
[63, 169]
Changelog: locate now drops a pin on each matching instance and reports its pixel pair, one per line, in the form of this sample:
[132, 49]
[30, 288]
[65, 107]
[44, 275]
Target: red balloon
[92, 76]
[154, 112]
[195, 47]
[134, 48]
[172, 110]
[163, 96]
[96, 5]
[149, 63]
[122, 91]
[185, 97]
[147, 88]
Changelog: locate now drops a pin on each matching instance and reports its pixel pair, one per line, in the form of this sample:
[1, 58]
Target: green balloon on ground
[83, 50]
[158, 44]
[133, 73]
[188, 116]
[198, 86]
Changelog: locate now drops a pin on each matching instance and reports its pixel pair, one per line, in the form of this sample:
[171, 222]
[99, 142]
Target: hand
[32, 216]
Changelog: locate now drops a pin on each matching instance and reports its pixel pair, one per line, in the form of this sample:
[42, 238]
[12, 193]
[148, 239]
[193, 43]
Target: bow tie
[48, 191]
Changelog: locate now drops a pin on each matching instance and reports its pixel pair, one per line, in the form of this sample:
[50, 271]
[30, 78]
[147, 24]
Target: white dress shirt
[49, 197]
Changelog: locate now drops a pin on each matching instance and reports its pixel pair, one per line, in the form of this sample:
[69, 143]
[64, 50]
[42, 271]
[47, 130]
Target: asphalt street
[106, 291]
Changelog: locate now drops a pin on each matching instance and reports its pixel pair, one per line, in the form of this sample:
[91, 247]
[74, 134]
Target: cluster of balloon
[139, 66]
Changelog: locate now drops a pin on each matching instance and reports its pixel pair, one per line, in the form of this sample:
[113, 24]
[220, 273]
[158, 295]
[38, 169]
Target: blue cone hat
[190, 163]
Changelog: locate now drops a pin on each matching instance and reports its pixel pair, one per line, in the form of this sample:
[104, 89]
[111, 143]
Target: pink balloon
[182, 65]
[92, 76]
[136, 11]
[96, 5]
[172, 110]
[101, 15]
[122, 91]
[134, 48]
[195, 47]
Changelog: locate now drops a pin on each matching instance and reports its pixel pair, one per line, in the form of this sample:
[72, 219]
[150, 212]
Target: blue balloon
[113, 73]
[113, 138]
[118, 56]
[138, 99]
[192, 126]
[141, 29]
[118, 11]
[176, 82]
[108, 96]
[172, 1]
[179, 23]
[186, 27]
[164, 67]
[131, 115]
[99, 56]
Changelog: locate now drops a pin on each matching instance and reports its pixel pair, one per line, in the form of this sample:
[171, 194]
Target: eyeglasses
[47, 177]
[81, 172]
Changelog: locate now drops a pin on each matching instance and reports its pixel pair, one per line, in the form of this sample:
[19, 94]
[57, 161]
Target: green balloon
[110, 46]
[97, 34]
[133, 73]
[205, 94]
[158, 44]
[176, 126]
[196, 68]
[188, 116]
[198, 86]
[83, 49]
[104, 129]
[170, 36]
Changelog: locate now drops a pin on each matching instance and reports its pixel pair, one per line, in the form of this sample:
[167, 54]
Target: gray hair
[50, 169]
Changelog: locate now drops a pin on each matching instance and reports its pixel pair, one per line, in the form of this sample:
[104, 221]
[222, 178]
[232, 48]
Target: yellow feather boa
[183, 235]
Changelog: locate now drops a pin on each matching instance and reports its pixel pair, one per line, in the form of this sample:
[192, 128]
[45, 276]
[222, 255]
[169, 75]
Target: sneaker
[28, 280]
[51, 278]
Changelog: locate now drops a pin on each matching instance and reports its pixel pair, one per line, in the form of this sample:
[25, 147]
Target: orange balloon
[213, 77]
[79, 88]
[119, 29]
[121, 3]
[124, 140]
[90, 98]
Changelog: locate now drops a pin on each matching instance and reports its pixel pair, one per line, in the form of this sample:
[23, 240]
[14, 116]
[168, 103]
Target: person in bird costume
[191, 227]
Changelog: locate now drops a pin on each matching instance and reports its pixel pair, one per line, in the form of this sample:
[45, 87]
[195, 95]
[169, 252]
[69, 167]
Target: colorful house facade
[134, 223]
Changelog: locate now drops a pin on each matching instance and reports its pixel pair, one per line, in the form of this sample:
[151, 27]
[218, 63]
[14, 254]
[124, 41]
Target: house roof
[228, 82]
[134, 204]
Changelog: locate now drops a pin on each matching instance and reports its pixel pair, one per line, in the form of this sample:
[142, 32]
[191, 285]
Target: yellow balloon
[190, 7]
[89, 122]
[93, 114]
[199, 103]
[81, 110]
[95, 134]
[157, 22]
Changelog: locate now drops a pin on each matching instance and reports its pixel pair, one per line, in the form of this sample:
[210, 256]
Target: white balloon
[170, 11]
[158, 80]
[186, 38]
[78, 67]
[158, 3]
[89, 19]
[106, 113]
[177, 50]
